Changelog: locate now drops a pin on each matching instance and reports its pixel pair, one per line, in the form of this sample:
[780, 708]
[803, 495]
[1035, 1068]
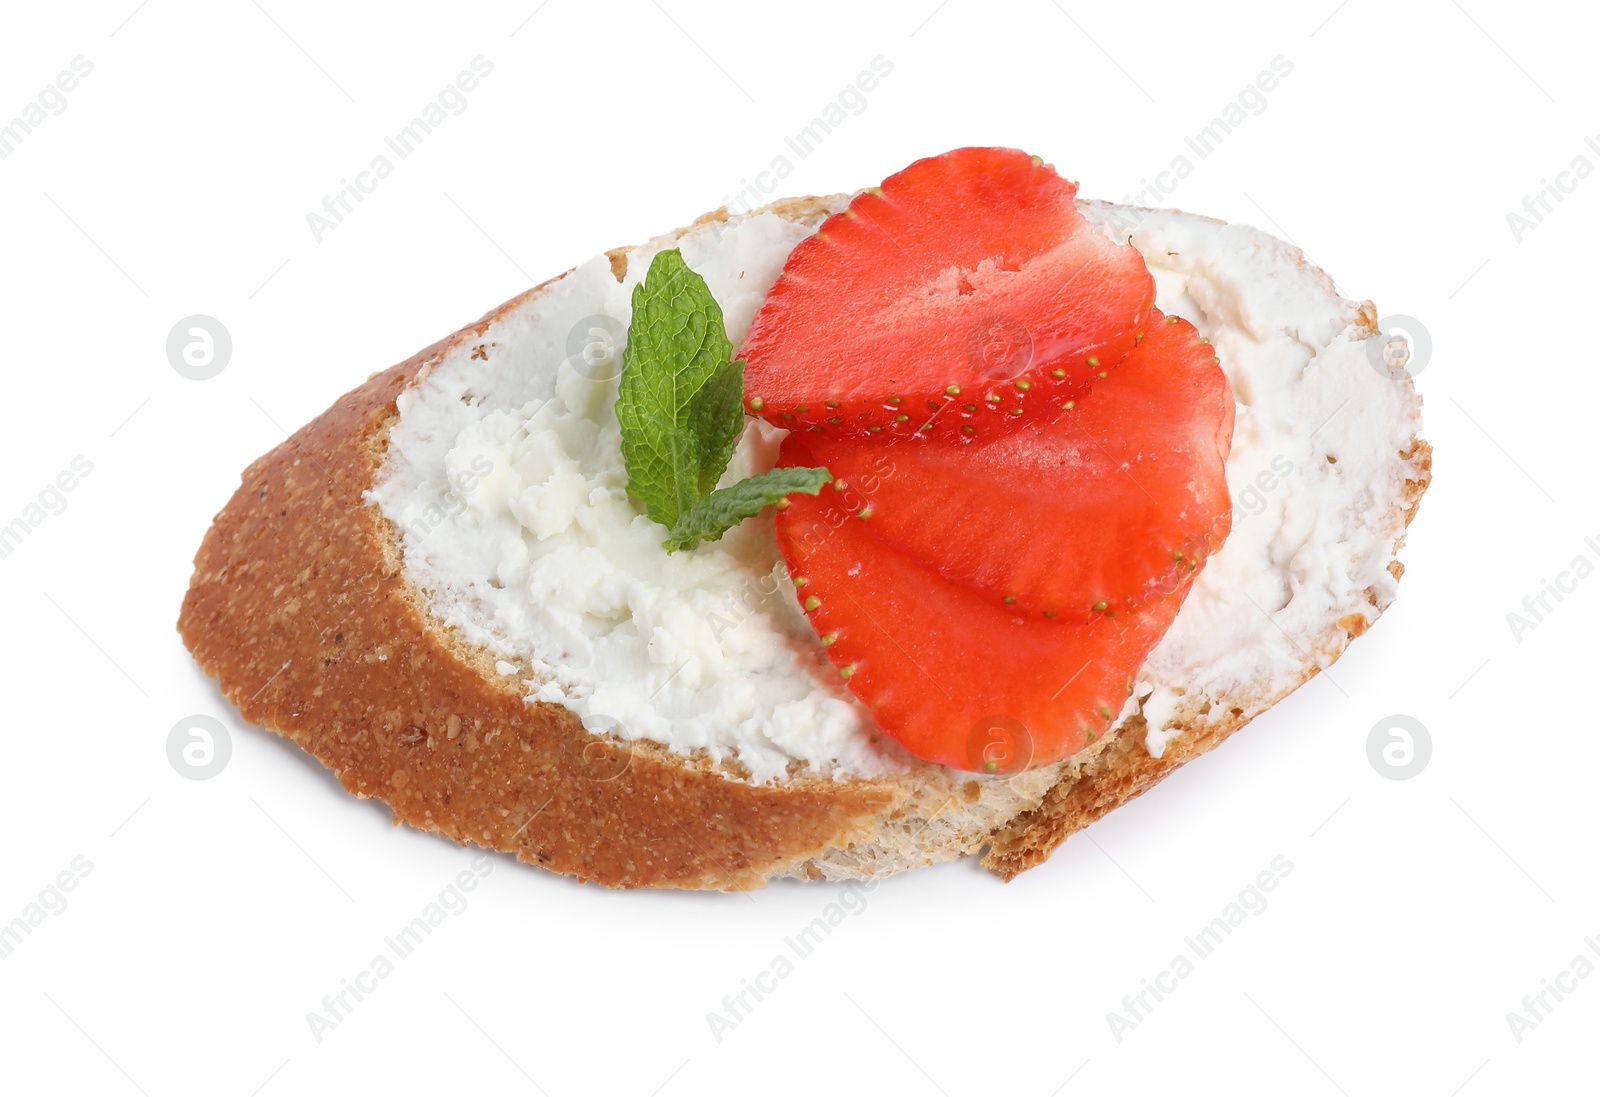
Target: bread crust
[299, 607]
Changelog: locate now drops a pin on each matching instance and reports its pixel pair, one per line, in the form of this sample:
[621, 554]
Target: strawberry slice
[1110, 507]
[955, 676]
[968, 283]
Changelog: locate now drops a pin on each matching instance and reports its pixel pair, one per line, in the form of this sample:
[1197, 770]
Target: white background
[219, 913]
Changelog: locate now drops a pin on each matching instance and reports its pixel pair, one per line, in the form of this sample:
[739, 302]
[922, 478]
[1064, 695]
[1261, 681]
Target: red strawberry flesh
[956, 677]
[1109, 506]
[964, 277]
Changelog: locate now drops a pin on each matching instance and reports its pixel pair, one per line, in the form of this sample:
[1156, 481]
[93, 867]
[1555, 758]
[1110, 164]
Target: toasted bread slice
[322, 622]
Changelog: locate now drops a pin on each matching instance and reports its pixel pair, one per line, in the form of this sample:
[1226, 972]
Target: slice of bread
[322, 622]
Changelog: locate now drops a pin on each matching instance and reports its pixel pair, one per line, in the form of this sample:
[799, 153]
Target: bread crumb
[1354, 624]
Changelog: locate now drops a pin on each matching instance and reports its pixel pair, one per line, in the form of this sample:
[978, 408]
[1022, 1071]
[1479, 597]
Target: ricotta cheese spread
[1317, 429]
[504, 475]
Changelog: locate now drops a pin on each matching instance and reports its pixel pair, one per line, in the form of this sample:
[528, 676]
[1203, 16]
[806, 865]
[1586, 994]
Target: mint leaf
[676, 347]
[717, 419]
[680, 403]
[725, 508]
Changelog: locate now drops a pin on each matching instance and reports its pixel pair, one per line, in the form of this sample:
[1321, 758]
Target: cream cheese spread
[504, 474]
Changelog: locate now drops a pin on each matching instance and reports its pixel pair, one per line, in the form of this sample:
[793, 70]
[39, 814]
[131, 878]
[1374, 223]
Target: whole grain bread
[300, 607]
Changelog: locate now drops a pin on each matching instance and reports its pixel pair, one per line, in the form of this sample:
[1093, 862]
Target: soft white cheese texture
[1312, 473]
[505, 475]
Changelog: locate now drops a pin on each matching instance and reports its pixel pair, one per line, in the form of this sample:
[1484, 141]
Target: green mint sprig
[680, 403]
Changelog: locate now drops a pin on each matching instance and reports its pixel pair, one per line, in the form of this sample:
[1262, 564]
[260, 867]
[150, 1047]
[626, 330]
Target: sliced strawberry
[968, 282]
[956, 677]
[1108, 508]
